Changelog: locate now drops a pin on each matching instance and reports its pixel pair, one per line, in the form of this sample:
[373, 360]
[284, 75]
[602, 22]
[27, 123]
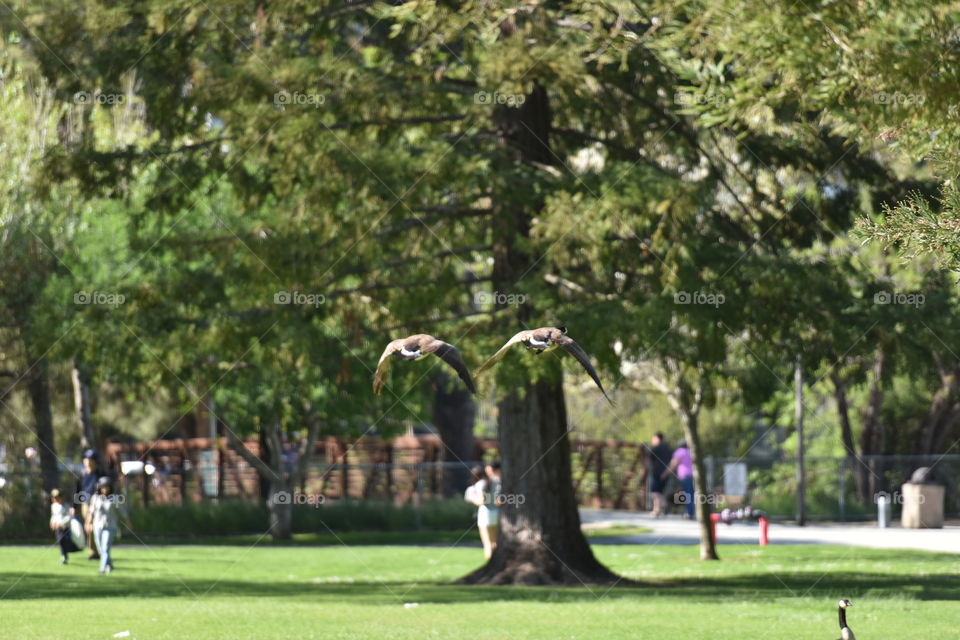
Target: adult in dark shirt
[86, 490]
[660, 455]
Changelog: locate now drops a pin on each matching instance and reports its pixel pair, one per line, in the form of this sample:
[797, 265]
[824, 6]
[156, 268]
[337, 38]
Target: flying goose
[542, 339]
[416, 347]
[846, 633]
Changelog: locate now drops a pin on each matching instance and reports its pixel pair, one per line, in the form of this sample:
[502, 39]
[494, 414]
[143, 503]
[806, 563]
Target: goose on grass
[846, 633]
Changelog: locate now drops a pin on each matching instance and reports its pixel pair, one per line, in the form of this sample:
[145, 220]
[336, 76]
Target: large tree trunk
[540, 541]
[39, 390]
[81, 402]
[454, 413]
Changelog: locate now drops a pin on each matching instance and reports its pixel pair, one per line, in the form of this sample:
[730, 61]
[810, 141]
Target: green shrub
[235, 517]
[200, 518]
[23, 514]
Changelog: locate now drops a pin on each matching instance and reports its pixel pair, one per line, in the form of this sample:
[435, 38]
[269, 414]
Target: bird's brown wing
[449, 354]
[571, 347]
[495, 358]
[380, 375]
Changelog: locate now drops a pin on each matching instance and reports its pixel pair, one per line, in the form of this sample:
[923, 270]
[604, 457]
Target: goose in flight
[416, 347]
[543, 339]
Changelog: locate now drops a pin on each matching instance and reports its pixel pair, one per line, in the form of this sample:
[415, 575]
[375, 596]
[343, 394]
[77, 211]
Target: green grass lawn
[237, 592]
[443, 536]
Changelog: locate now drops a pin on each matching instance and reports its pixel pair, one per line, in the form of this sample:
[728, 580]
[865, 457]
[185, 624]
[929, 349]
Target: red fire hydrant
[761, 520]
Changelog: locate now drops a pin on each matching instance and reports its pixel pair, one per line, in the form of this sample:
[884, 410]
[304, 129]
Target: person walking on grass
[660, 454]
[61, 515]
[485, 494]
[474, 495]
[681, 465]
[86, 489]
[103, 520]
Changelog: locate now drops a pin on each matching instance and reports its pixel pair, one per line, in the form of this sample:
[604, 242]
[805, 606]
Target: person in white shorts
[485, 494]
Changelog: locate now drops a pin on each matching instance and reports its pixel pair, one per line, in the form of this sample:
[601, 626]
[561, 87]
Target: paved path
[673, 530]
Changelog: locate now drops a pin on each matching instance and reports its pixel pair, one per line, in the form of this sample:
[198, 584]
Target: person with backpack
[488, 516]
[485, 493]
[61, 515]
[86, 489]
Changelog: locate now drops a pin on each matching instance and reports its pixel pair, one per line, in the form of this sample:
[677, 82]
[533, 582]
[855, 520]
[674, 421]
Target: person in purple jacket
[681, 465]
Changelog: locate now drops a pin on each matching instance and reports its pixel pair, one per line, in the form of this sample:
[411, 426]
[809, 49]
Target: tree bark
[280, 507]
[39, 390]
[454, 413]
[540, 541]
[843, 414]
[941, 415]
[691, 431]
[846, 429]
[81, 402]
[801, 470]
[687, 402]
[872, 437]
[281, 485]
[280, 502]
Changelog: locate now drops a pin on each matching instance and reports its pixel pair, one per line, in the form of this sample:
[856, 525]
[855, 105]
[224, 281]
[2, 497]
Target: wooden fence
[404, 469]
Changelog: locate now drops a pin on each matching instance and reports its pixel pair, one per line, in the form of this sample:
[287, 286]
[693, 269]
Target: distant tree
[29, 240]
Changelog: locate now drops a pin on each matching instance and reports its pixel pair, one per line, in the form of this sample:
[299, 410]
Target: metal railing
[843, 488]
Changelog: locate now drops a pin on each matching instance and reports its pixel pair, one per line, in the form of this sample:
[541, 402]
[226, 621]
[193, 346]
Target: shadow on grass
[128, 582]
[447, 537]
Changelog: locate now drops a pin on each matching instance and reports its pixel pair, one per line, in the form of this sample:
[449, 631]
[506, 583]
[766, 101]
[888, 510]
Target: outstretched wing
[571, 347]
[449, 354]
[380, 375]
[495, 358]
